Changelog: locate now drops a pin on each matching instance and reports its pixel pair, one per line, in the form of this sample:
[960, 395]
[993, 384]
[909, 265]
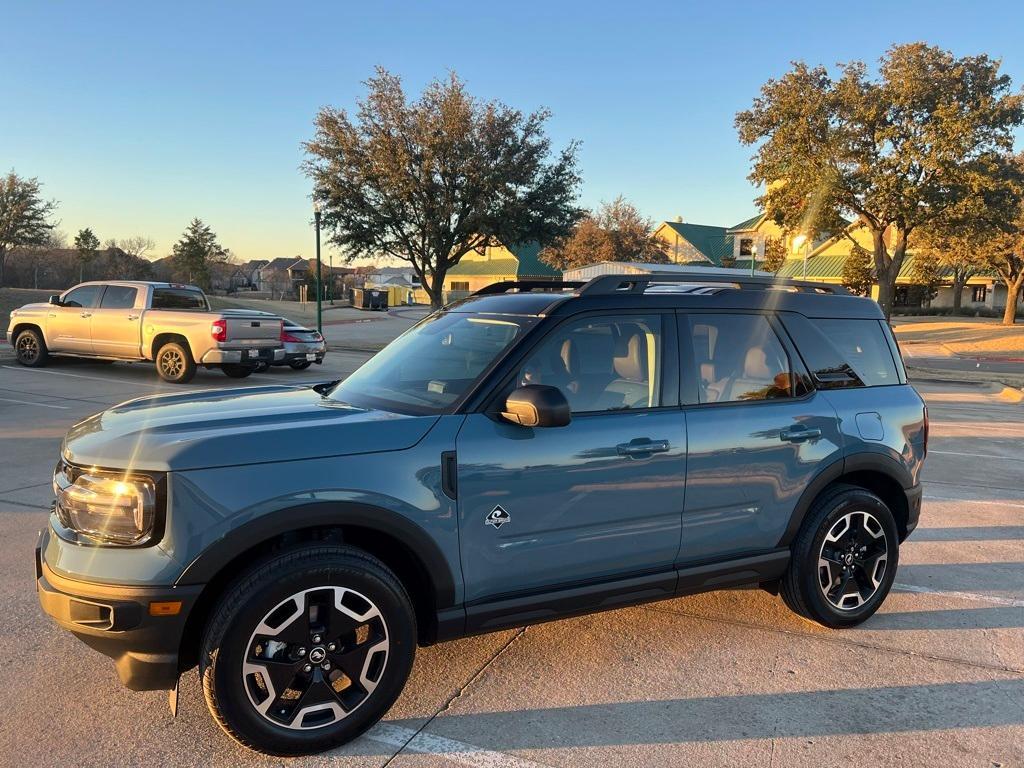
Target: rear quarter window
[178, 298]
[844, 353]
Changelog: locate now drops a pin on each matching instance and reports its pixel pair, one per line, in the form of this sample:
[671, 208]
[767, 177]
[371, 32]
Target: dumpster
[370, 298]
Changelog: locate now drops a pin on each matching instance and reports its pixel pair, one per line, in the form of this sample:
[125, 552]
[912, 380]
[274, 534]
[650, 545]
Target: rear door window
[739, 358]
[119, 297]
[844, 353]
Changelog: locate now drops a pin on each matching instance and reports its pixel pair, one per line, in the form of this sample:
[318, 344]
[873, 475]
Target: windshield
[429, 367]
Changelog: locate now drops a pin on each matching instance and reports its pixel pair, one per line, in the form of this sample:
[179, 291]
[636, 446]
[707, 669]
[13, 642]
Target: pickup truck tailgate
[257, 330]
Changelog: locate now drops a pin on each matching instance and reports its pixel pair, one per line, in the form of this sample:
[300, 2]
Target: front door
[116, 329]
[598, 499]
[757, 435]
[67, 324]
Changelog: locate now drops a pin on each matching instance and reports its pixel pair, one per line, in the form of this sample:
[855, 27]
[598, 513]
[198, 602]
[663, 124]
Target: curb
[1010, 381]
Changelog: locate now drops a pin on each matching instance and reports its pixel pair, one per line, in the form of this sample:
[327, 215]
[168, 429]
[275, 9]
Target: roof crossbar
[525, 286]
[611, 284]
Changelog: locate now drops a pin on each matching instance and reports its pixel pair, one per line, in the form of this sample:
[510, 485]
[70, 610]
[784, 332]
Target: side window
[739, 358]
[601, 363]
[119, 297]
[82, 297]
[844, 353]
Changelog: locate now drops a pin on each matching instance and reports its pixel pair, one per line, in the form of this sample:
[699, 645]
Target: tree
[927, 276]
[196, 251]
[428, 181]
[774, 254]
[86, 243]
[24, 215]
[956, 242]
[858, 273]
[1003, 211]
[136, 245]
[894, 153]
[616, 232]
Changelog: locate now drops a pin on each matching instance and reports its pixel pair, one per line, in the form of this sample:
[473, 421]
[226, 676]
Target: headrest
[707, 372]
[570, 357]
[756, 364]
[630, 359]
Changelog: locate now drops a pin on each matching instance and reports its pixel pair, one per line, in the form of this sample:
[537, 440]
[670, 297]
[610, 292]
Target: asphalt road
[729, 678]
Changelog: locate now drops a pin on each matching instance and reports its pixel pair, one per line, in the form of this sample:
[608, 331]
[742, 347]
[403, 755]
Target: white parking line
[454, 751]
[978, 598]
[27, 402]
[975, 501]
[975, 455]
[80, 376]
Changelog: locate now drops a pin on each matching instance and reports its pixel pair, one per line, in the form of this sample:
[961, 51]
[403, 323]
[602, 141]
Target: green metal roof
[831, 268]
[748, 224]
[712, 242]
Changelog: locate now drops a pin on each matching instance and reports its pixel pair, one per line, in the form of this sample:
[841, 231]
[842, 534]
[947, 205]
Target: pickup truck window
[179, 298]
[85, 296]
[426, 369]
[119, 297]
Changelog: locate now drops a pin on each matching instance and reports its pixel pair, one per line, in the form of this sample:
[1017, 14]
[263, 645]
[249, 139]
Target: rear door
[596, 500]
[115, 327]
[757, 433]
[68, 325]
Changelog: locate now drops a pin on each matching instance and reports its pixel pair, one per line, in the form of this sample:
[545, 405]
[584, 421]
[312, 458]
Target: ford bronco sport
[532, 452]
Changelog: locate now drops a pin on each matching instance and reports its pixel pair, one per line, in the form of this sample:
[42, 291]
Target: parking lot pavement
[936, 677]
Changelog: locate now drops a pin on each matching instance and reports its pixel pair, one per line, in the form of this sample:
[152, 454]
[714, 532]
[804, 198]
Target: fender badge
[497, 517]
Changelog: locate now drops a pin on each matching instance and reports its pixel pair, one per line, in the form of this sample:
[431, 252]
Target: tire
[174, 363]
[235, 683]
[300, 365]
[844, 558]
[261, 367]
[237, 370]
[30, 348]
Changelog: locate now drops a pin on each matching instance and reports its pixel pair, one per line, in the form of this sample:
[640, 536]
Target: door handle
[86, 314]
[799, 434]
[133, 317]
[642, 446]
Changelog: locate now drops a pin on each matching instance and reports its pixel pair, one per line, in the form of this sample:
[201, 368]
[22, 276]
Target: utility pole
[319, 309]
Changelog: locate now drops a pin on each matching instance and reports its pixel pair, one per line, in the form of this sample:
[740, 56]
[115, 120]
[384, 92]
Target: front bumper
[116, 621]
[217, 356]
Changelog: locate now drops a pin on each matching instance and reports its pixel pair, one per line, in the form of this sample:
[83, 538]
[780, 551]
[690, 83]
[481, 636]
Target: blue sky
[138, 116]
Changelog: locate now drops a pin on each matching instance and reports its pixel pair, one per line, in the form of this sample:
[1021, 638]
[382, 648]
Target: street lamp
[319, 309]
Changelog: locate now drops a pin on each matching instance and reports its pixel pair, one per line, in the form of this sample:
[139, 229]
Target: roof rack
[700, 281]
[525, 286]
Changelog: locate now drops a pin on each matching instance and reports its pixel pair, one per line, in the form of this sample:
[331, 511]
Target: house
[826, 259]
[280, 276]
[695, 244]
[496, 263]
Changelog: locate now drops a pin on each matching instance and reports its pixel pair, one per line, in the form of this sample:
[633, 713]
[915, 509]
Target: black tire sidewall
[40, 342]
[300, 365]
[237, 370]
[225, 645]
[188, 369]
[810, 546]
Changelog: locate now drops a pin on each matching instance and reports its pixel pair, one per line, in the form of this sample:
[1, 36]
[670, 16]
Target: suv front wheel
[307, 650]
[844, 558]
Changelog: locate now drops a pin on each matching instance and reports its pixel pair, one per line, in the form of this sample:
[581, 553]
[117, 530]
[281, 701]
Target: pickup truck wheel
[236, 370]
[307, 650]
[844, 558]
[30, 348]
[300, 365]
[174, 363]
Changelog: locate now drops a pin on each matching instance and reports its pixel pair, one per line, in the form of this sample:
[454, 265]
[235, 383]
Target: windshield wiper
[322, 387]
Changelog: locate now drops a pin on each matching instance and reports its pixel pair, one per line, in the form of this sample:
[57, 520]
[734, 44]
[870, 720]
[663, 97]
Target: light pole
[319, 309]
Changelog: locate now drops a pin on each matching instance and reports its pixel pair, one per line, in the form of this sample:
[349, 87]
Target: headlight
[106, 507]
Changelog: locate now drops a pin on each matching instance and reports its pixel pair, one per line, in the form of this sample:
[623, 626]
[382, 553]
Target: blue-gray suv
[536, 451]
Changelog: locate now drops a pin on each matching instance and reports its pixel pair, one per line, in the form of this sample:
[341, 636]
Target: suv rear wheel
[30, 348]
[307, 650]
[844, 558]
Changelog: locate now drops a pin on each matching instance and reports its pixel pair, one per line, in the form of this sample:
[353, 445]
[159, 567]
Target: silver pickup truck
[167, 323]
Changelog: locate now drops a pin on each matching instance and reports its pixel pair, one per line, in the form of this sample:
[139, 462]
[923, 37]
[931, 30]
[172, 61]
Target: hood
[218, 428]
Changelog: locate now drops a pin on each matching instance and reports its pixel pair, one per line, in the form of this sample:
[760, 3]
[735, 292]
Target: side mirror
[55, 300]
[537, 405]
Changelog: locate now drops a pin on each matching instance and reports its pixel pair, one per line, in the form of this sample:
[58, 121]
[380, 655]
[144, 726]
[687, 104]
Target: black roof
[700, 291]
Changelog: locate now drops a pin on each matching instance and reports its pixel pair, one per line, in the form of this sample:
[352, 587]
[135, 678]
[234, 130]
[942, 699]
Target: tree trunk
[958, 294]
[1012, 291]
[435, 289]
[886, 274]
